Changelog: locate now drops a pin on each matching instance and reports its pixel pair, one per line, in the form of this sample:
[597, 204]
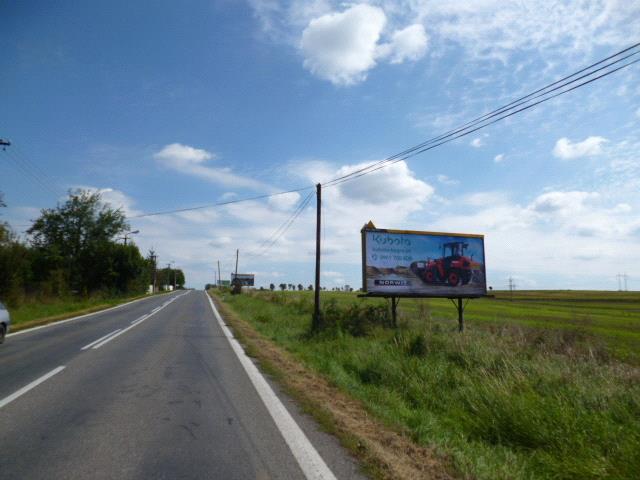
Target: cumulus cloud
[343, 46]
[499, 158]
[285, 201]
[395, 184]
[567, 150]
[407, 44]
[191, 161]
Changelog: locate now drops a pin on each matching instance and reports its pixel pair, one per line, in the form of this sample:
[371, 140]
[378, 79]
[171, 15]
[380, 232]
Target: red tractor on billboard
[453, 268]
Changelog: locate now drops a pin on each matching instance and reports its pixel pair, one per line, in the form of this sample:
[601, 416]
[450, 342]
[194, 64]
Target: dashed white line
[100, 339]
[139, 319]
[26, 388]
[308, 458]
[136, 323]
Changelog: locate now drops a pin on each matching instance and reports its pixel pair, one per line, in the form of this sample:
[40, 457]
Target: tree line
[73, 250]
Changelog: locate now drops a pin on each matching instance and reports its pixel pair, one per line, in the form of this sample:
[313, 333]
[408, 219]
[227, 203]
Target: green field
[544, 385]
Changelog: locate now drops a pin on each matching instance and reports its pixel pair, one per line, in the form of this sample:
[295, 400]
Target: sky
[167, 105]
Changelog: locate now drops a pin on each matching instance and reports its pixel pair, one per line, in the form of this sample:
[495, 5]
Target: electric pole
[316, 321]
[619, 278]
[219, 277]
[154, 258]
[237, 255]
[168, 277]
[174, 278]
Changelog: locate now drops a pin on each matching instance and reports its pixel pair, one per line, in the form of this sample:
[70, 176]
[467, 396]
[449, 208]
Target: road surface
[153, 389]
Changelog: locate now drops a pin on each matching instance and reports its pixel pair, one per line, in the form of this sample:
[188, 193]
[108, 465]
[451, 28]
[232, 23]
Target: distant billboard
[246, 279]
[422, 264]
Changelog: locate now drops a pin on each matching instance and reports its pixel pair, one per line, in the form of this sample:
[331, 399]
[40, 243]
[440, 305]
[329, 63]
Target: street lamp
[126, 235]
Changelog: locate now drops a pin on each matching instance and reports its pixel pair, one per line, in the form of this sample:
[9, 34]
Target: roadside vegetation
[546, 385]
[73, 261]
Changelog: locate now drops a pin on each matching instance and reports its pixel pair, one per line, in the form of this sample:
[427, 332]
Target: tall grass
[503, 402]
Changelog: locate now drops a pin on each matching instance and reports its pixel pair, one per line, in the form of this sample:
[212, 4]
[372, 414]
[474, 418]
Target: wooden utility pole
[316, 321]
[154, 259]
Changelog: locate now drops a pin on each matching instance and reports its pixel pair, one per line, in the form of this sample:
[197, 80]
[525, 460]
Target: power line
[483, 120]
[467, 128]
[279, 233]
[219, 204]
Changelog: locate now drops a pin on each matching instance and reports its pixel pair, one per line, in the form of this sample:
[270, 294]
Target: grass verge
[500, 401]
[36, 313]
[383, 452]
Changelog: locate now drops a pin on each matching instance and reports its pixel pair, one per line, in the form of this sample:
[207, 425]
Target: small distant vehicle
[453, 268]
[5, 322]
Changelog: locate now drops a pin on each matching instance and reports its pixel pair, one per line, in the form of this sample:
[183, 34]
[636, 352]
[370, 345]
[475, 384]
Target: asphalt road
[165, 396]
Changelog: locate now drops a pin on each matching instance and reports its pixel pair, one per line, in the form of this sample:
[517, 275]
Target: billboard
[422, 264]
[246, 279]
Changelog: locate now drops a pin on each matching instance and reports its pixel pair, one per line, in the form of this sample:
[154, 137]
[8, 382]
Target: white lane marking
[308, 458]
[53, 324]
[99, 340]
[26, 388]
[140, 320]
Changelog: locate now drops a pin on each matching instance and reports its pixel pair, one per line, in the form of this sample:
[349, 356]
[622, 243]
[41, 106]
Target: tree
[310, 287]
[283, 286]
[300, 287]
[272, 287]
[74, 244]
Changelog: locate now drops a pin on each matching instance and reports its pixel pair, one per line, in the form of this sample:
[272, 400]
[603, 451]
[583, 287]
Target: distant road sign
[246, 279]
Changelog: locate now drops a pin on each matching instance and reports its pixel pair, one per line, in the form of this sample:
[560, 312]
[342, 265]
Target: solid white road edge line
[153, 312]
[53, 324]
[26, 388]
[100, 339]
[308, 458]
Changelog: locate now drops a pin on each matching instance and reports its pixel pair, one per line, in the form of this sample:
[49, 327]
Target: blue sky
[164, 105]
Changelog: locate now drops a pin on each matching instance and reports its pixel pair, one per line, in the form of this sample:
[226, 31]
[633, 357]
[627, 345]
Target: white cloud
[395, 184]
[407, 44]
[476, 142]
[286, 201]
[499, 158]
[180, 155]
[189, 160]
[567, 150]
[445, 180]
[343, 46]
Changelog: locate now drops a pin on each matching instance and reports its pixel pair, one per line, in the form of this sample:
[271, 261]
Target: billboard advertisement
[422, 264]
[246, 279]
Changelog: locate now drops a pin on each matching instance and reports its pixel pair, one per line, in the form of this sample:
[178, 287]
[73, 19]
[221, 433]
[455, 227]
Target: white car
[5, 322]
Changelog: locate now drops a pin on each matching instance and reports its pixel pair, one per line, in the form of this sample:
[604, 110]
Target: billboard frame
[395, 297]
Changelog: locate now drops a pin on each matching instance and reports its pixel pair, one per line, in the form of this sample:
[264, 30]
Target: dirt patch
[384, 453]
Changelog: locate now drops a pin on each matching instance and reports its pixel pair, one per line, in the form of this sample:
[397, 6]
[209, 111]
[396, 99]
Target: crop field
[540, 385]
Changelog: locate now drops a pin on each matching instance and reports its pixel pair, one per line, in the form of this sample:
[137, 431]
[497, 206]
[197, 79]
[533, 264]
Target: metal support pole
[460, 315]
[219, 277]
[316, 321]
[394, 311]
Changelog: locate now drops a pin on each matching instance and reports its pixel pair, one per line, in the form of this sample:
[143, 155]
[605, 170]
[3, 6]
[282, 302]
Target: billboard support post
[394, 312]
